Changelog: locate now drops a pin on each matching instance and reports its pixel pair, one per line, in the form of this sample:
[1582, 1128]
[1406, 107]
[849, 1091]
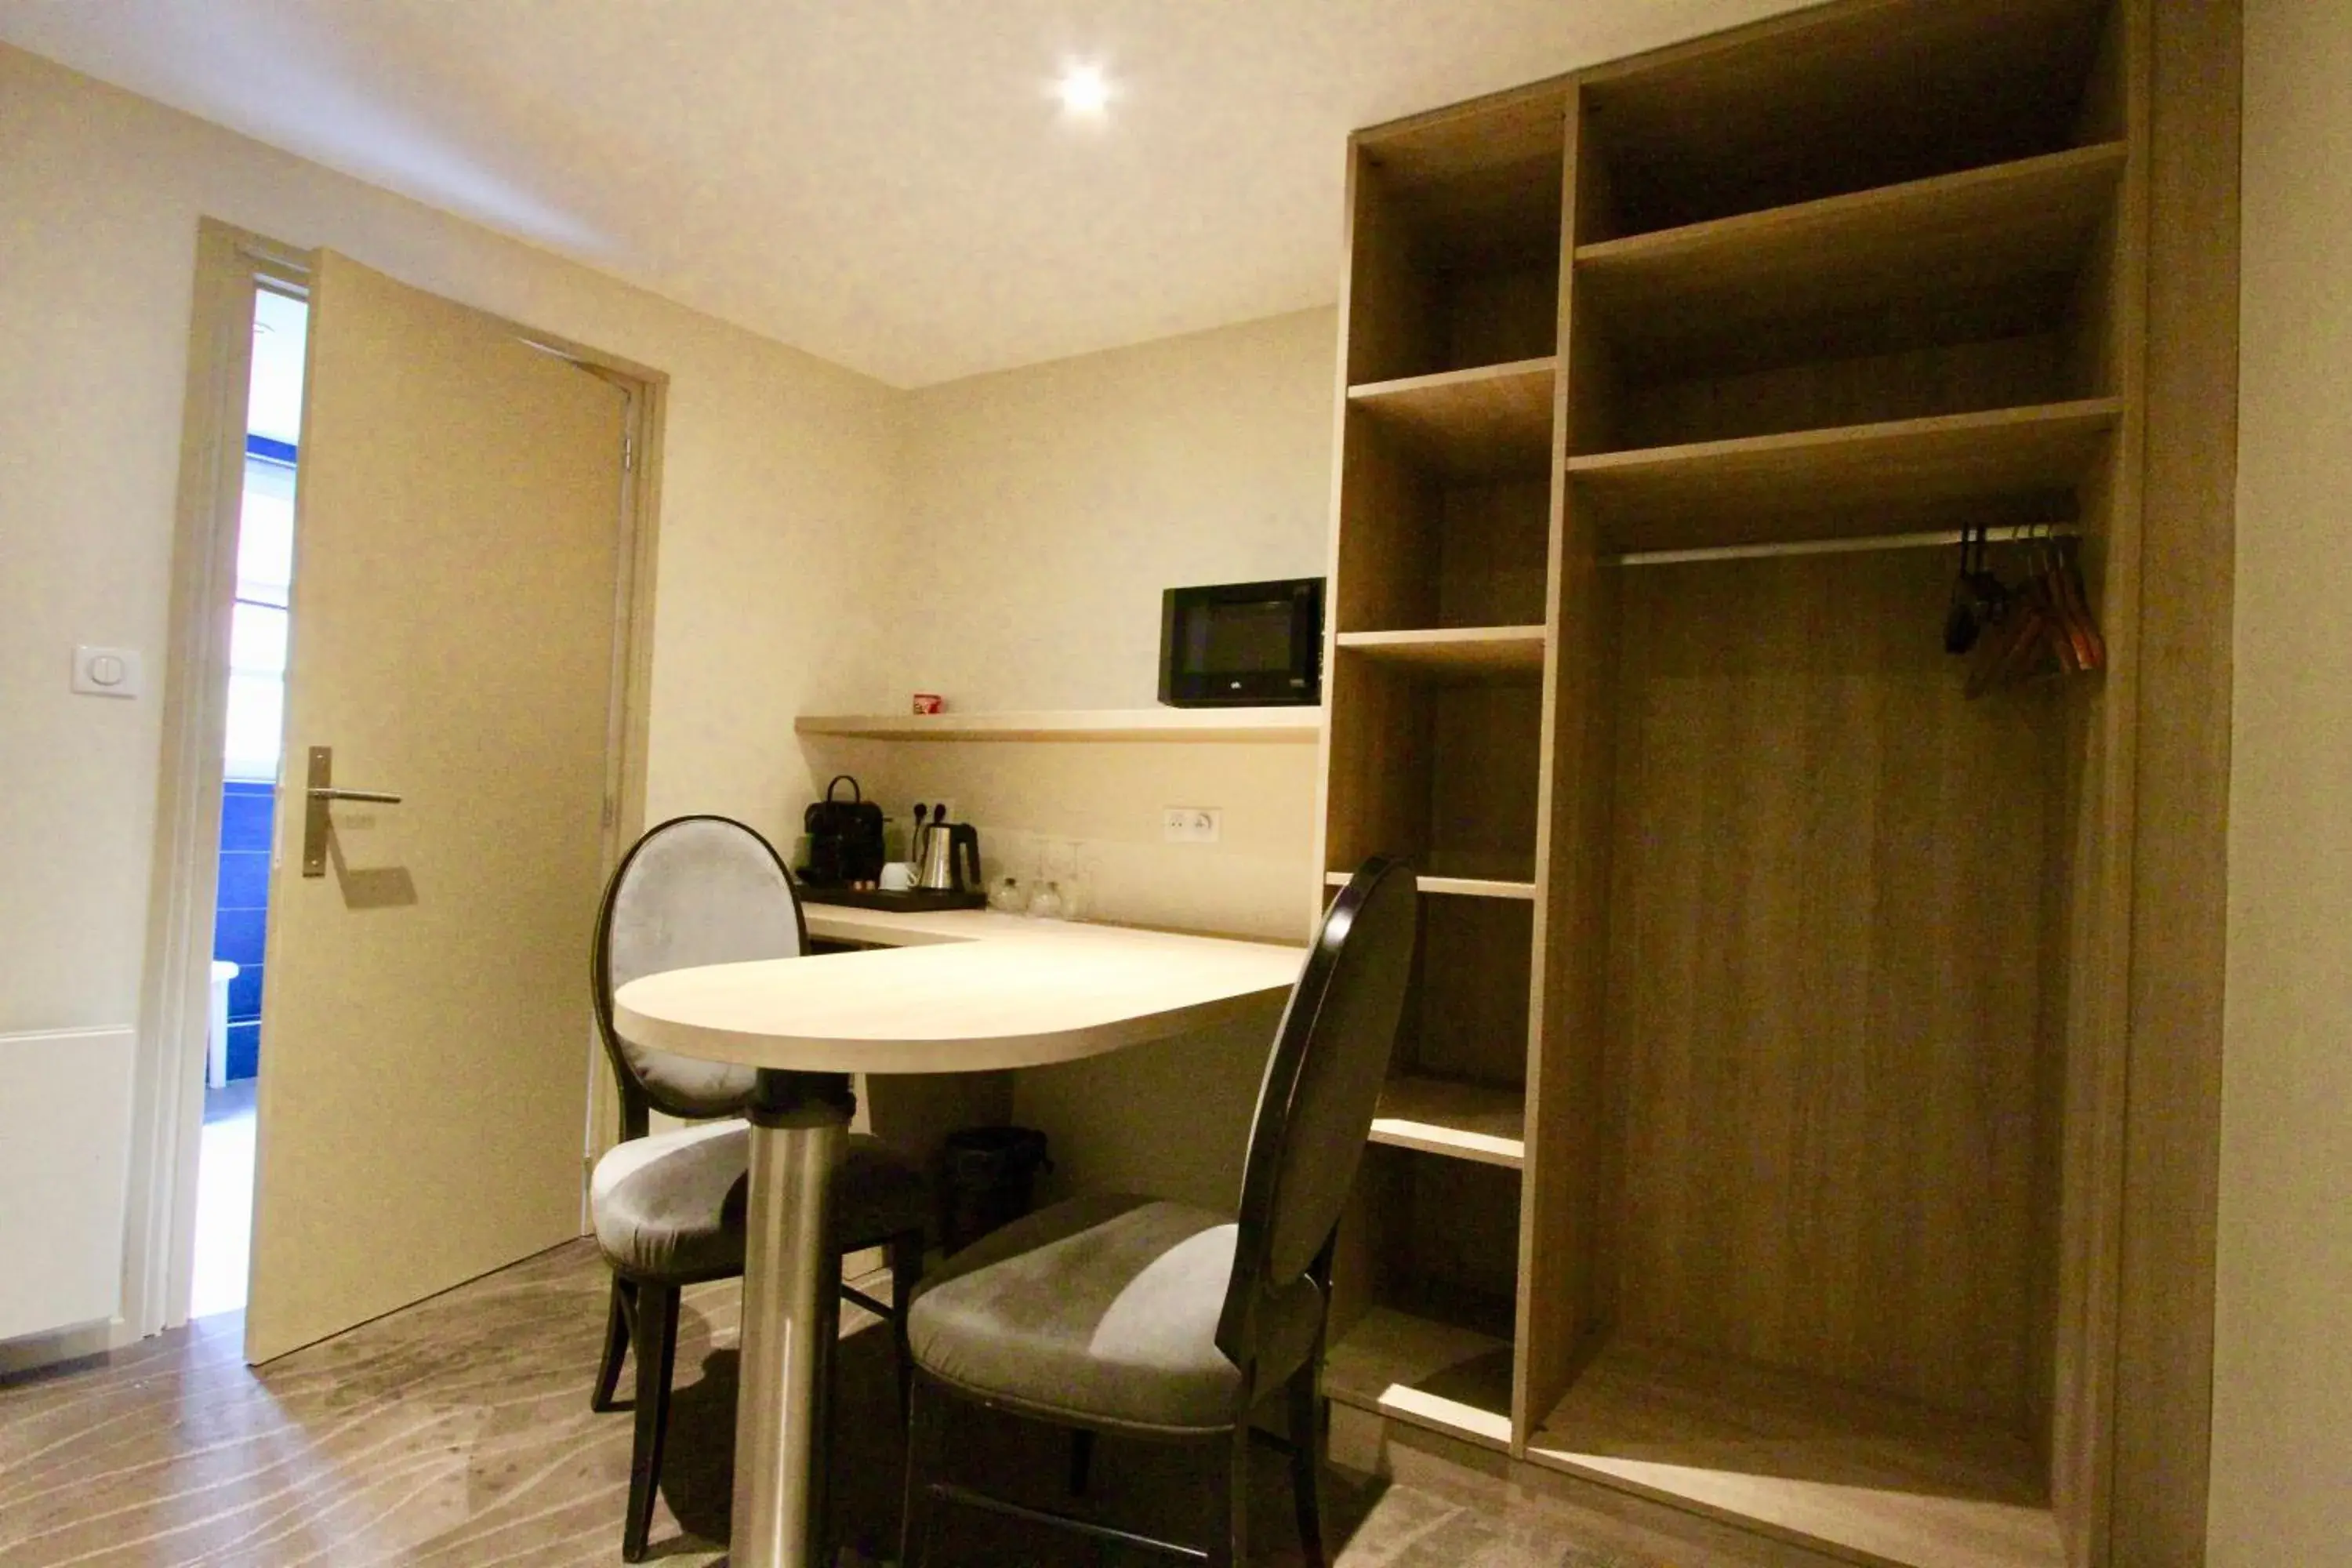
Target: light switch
[107, 671]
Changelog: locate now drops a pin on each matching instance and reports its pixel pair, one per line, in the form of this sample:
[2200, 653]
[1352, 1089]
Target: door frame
[232, 266]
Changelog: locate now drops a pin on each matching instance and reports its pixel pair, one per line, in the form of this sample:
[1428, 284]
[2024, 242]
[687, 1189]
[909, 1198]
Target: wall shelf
[1736, 492]
[1461, 1120]
[1897, 1481]
[1468, 652]
[1448, 1378]
[1291, 725]
[1472, 424]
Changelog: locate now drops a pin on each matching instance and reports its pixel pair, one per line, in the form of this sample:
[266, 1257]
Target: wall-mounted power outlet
[937, 808]
[1191, 824]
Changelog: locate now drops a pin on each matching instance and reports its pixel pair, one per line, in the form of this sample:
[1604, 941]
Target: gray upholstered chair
[1118, 1314]
[670, 1207]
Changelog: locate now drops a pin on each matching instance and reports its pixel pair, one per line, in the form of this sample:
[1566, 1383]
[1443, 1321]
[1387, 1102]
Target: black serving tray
[913, 901]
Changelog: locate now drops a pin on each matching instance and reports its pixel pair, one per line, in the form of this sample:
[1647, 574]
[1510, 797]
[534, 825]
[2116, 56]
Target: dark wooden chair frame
[1226, 1517]
[643, 1311]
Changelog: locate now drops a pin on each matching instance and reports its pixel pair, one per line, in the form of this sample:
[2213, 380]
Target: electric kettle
[947, 858]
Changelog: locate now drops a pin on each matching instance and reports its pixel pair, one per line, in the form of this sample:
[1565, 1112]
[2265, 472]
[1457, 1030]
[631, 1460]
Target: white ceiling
[889, 184]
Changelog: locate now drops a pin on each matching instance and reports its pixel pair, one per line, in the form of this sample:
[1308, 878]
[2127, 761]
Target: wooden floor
[458, 1432]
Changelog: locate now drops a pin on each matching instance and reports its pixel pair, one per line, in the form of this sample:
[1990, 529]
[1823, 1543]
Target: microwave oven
[1242, 644]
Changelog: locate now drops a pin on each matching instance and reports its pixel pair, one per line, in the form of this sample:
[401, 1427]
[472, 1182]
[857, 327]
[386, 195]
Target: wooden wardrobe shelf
[1456, 652]
[1455, 887]
[1462, 1120]
[1857, 98]
[1951, 233]
[1895, 1481]
[1488, 422]
[1740, 491]
[1440, 1375]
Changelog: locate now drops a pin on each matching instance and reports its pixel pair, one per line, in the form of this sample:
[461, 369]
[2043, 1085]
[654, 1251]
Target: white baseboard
[33, 1351]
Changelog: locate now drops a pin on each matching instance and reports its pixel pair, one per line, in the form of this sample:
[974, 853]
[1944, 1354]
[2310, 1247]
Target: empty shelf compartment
[1816, 1460]
[1436, 1375]
[1465, 1120]
[1454, 653]
[1853, 482]
[1495, 420]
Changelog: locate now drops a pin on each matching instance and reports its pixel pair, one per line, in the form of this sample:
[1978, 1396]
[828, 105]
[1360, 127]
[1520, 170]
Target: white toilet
[216, 1041]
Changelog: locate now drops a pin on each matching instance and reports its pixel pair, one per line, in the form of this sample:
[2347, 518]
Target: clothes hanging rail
[1929, 539]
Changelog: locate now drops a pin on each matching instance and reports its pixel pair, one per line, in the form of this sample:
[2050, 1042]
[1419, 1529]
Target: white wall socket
[1191, 824]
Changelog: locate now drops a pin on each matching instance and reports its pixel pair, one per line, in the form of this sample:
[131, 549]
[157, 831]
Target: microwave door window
[1240, 639]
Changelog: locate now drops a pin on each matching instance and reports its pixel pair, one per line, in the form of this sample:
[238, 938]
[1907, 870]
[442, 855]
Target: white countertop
[959, 991]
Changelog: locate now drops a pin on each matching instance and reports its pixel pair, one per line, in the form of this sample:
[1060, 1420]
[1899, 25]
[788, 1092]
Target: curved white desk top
[966, 991]
[963, 991]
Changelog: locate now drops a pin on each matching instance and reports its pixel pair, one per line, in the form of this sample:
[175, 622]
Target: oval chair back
[693, 890]
[1322, 1085]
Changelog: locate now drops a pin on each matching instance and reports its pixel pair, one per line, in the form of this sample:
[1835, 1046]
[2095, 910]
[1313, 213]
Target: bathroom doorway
[438, 603]
[252, 754]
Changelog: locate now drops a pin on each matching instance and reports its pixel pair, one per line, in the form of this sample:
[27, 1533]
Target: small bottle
[1045, 903]
[1005, 898]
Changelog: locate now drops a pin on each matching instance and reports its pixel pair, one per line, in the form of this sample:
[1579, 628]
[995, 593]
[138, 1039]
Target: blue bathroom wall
[241, 913]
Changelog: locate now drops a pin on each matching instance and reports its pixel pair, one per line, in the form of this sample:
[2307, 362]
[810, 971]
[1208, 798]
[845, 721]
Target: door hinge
[606, 816]
[628, 454]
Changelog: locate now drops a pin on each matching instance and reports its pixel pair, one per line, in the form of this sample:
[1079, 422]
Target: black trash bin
[988, 1180]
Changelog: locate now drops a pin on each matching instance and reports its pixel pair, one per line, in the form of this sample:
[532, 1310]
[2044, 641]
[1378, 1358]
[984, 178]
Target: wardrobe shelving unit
[1752, 1139]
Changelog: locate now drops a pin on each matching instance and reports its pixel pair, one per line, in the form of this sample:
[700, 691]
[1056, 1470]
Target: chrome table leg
[799, 1127]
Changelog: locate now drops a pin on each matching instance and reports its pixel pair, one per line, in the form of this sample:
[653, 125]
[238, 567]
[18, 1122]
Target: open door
[455, 607]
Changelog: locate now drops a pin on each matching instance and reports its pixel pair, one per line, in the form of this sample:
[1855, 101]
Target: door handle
[320, 793]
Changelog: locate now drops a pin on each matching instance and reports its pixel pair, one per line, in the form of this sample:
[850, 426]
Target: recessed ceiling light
[1084, 89]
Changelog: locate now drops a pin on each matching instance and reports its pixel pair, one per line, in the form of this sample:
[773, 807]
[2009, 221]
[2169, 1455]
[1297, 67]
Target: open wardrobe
[1755, 612]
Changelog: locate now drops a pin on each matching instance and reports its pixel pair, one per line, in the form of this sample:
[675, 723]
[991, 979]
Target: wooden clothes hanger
[2042, 630]
[2066, 586]
[1978, 598]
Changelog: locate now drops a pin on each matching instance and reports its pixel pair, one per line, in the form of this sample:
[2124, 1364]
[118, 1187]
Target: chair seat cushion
[1103, 1311]
[670, 1206]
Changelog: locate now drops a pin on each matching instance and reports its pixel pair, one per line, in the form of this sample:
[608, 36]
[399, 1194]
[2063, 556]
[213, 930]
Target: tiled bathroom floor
[223, 1199]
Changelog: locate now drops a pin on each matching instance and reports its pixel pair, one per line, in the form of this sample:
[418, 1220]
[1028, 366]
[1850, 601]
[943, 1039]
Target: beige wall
[1170, 1119]
[778, 489]
[777, 508]
[2283, 1404]
[786, 581]
[1104, 800]
[1107, 478]
[1048, 508]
